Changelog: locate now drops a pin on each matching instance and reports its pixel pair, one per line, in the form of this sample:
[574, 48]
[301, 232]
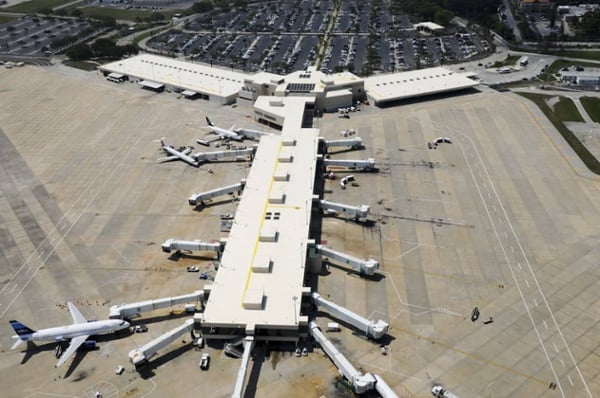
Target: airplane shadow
[31, 349]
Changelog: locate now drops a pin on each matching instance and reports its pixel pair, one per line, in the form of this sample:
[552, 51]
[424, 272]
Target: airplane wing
[73, 346]
[167, 159]
[77, 317]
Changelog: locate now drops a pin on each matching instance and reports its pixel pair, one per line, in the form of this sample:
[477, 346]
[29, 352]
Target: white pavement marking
[570, 381]
[563, 364]
[555, 347]
[527, 282]
[535, 302]
[519, 265]
[545, 324]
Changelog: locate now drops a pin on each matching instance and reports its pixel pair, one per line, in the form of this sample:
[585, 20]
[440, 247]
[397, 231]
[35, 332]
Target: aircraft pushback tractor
[77, 333]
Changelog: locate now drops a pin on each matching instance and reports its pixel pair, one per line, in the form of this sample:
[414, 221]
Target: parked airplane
[181, 154]
[234, 134]
[77, 333]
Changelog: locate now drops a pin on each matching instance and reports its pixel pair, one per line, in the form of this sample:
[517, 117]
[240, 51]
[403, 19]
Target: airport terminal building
[328, 92]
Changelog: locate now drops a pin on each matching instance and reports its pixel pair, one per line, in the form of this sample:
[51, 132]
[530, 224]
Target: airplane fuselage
[224, 133]
[180, 155]
[66, 332]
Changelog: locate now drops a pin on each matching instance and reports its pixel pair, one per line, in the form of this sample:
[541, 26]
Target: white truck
[440, 392]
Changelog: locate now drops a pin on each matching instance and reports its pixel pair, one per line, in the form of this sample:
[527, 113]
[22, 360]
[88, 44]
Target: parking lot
[34, 36]
[362, 38]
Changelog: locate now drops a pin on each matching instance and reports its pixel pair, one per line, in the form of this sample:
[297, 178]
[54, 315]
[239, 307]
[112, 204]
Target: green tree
[79, 52]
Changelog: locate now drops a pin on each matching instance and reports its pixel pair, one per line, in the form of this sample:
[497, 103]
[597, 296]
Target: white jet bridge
[193, 246]
[241, 378]
[361, 383]
[199, 198]
[132, 310]
[359, 165]
[140, 356]
[238, 154]
[355, 212]
[366, 267]
[373, 330]
[352, 143]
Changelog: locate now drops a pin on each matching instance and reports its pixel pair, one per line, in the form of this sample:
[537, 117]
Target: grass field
[591, 55]
[7, 18]
[33, 6]
[558, 65]
[84, 65]
[564, 112]
[508, 61]
[592, 107]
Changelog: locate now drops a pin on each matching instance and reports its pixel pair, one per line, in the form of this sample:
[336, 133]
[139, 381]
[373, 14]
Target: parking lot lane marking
[545, 324]
[519, 265]
[527, 282]
[535, 302]
[512, 249]
[570, 381]
[563, 364]
[555, 347]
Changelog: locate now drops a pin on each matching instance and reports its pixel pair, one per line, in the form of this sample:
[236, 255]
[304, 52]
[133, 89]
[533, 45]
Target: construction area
[348, 266]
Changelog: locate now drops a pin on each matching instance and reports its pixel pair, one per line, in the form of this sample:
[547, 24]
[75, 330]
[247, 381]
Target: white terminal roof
[260, 279]
[396, 86]
[196, 77]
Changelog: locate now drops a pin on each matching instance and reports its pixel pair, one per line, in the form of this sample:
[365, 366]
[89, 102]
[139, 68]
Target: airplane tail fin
[208, 121]
[21, 330]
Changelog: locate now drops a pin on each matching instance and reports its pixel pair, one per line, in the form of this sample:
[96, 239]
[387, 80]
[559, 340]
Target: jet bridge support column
[241, 378]
[367, 267]
[373, 330]
[360, 383]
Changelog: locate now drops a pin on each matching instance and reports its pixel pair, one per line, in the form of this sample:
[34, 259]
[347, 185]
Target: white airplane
[233, 134]
[77, 333]
[177, 154]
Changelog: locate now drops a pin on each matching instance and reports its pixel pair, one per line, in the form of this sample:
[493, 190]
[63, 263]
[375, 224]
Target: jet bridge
[140, 356]
[133, 310]
[355, 212]
[352, 143]
[361, 165]
[241, 378]
[199, 198]
[216, 155]
[367, 267]
[193, 246]
[373, 330]
[361, 383]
